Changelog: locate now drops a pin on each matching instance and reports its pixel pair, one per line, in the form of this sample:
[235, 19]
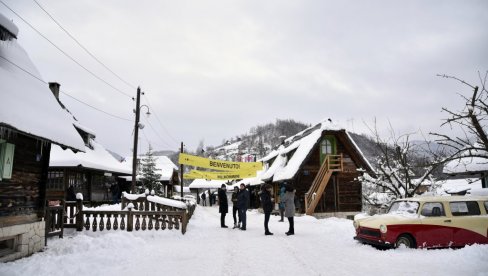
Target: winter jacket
[234, 198]
[223, 205]
[243, 199]
[289, 200]
[266, 201]
[282, 194]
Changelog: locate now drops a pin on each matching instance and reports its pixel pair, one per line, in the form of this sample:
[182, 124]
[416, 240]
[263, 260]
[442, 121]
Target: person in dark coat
[289, 200]
[204, 199]
[243, 204]
[267, 203]
[235, 209]
[223, 205]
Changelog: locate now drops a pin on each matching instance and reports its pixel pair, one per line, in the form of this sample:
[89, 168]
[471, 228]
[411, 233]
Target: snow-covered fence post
[184, 222]
[130, 217]
[79, 212]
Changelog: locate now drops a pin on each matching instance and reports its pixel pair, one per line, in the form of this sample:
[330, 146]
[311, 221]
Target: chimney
[54, 86]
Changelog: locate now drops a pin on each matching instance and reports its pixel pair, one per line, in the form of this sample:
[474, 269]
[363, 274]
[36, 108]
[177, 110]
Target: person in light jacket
[289, 200]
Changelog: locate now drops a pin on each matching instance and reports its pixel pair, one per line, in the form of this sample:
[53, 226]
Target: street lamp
[136, 136]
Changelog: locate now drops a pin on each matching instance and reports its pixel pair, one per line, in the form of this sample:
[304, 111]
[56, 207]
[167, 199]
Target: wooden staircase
[332, 163]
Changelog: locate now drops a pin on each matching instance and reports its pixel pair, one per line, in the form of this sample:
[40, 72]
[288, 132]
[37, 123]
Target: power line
[157, 134]
[66, 54]
[83, 47]
[64, 92]
[159, 121]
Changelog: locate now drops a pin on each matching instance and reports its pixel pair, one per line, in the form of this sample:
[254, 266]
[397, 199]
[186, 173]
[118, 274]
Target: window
[55, 180]
[465, 208]
[404, 207]
[433, 209]
[7, 246]
[326, 146]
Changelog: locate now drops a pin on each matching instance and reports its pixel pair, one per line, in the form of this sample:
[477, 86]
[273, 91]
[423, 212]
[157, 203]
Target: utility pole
[181, 174]
[136, 134]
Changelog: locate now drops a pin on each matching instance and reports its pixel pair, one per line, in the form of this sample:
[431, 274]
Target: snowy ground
[320, 247]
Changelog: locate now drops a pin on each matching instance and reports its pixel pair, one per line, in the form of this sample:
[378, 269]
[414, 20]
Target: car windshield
[404, 207]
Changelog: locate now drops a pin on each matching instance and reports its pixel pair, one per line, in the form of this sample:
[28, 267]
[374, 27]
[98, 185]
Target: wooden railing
[332, 163]
[54, 222]
[140, 215]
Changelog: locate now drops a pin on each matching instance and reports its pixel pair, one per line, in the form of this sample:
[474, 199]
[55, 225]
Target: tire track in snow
[296, 255]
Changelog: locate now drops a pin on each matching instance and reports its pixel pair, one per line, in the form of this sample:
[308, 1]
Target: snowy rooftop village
[243, 137]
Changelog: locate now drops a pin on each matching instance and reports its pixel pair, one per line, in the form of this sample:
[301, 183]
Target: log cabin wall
[22, 196]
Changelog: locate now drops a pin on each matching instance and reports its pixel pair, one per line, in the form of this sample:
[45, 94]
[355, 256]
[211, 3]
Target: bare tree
[472, 120]
[400, 169]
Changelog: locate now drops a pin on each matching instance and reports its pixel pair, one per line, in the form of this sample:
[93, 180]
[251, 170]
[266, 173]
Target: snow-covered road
[320, 247]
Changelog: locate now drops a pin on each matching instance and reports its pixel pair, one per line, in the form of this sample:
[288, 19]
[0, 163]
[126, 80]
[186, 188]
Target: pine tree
[150, 177]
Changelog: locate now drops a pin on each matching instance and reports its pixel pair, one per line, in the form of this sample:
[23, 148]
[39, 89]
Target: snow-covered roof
[85, 129]
[303, 143]
[454, 186]
[164, 166]
[252, 181]
[97, 158]
[206, 184]
[28, 105]
[9, 25]
[466, 165]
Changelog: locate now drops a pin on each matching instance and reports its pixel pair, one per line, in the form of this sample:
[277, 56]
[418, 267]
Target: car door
[470, 226]
[436, 229]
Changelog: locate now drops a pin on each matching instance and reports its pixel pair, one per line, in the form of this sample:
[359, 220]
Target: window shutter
[6, 160]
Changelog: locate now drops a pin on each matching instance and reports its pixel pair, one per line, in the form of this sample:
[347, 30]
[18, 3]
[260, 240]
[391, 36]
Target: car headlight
[356, 224]
[383, 229]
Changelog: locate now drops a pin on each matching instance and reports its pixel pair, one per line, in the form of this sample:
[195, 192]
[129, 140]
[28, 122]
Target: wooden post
[181, 174]
[136, 134]
[130, 219]
[79, 215]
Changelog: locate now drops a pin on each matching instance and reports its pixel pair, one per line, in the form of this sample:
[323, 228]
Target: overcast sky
[213, 69]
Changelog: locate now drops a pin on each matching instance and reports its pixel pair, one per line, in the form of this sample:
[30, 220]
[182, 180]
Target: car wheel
[405, 240]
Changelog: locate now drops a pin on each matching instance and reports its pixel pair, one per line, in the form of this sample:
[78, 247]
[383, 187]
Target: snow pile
[167, 202]
[454, 186]
[79, 196]
[25, 98]
[319, 247]
[132, 196]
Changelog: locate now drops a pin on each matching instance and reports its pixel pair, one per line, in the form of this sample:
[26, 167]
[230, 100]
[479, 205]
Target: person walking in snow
[235, 209]
[281, 205]
[243, 204]
[267, 203]
[223, 205]
[204, 199]
[289, 200]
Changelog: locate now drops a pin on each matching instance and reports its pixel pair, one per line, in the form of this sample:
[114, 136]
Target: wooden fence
[141, 215]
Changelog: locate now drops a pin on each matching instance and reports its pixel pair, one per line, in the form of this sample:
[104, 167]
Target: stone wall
[28, 239]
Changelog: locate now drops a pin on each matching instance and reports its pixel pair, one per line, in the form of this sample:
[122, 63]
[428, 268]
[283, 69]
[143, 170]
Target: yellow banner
[194, 174]
[219, 165]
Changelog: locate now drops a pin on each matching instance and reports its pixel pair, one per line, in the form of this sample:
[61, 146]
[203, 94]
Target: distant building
[31, 121]
[470, 168]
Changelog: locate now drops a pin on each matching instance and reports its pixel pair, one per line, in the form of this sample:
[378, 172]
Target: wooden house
[31, 121]
[93, 173]
[323, 163]
[468, 168]
[165, 167]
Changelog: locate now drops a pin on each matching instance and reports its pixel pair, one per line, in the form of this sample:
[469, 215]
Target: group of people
[241, 201]
[211, 198]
